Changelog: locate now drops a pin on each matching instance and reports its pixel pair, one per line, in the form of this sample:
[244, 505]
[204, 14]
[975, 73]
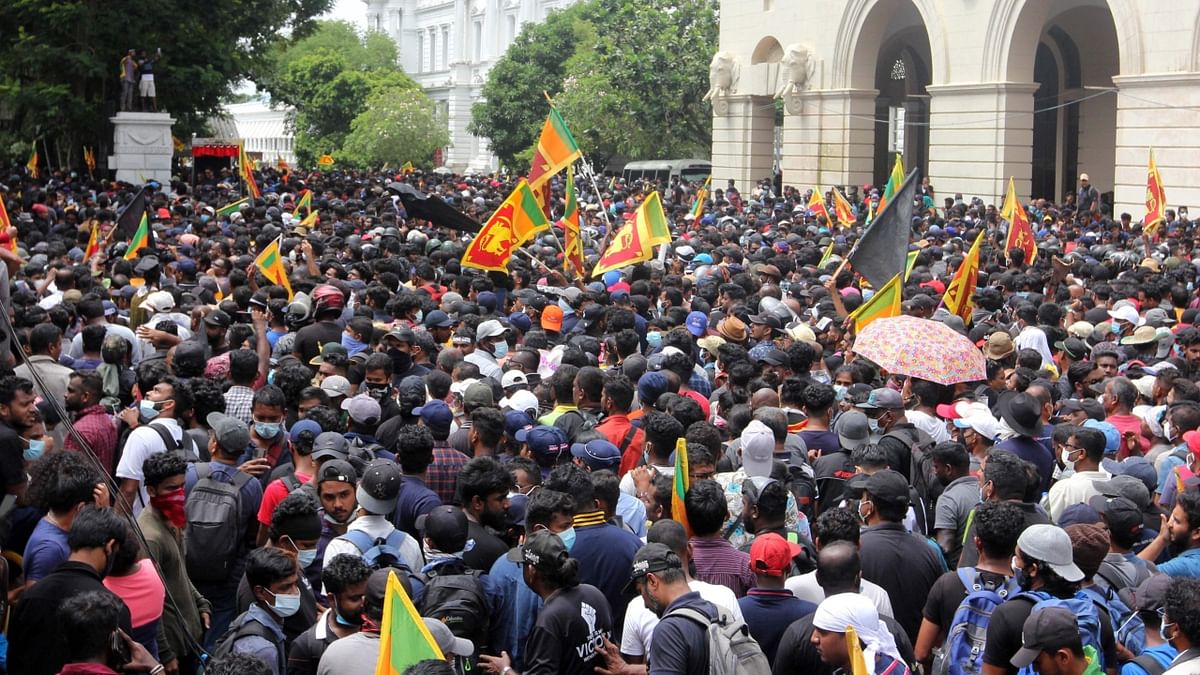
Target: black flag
[883, 250]
[433, 209]
[131, 215]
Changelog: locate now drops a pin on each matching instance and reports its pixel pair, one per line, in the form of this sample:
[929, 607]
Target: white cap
[512, 378]
[1084, 176]
[159, 301]
[522, 400]
[460, 388]
[758, 449]
[1127, 314]
[983, 424]
[489, 329]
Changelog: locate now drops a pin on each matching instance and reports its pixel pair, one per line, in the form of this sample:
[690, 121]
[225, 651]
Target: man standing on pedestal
[129, 75]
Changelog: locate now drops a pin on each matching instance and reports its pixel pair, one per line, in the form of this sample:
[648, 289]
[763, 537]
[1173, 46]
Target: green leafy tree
[628, 77]
[398, 124]
[60, 66]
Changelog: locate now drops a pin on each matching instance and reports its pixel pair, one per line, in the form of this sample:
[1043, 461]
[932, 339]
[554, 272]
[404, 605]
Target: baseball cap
[232, 434]
[330, 445]
[1121, 514]
[981, 423]
[697, 323]
[338, 470]
[436, 415]
[853, 430]
[438, 319]
[335, 385]
[520, 321]
[1050, 629]
[771, 554]
[889, 487]
[1074, 347]
[1051, 545]
[489, 329]
[552, 318]
[478, 395]
[446, 524]
[597, 454]
[547, 443]
[446, 640]
[1126, 314]
[543, 549]
[299, 428]
[513, 378]
[883, 399]
[1151, 595]
[218, 319]
[379, 487]
[652, 385]
[758, 449]
[522, 400]
[1129, 487]
[654, 557]
[363, 409]
[328, 349]
[159, 301]
[776, 357]
[516, 420]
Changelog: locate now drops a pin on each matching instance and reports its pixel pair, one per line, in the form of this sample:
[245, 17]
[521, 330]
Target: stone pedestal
[743, 141]
[829, 138]
[142, 147]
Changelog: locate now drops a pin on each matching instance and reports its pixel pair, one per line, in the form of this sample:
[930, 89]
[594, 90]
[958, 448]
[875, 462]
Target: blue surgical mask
[501, 348]
[654, 340]
[306, 556]
[342, 621]
[565, 306]
[149, 409]
[35, 450]
[286, 605]
[267, 430]
[873, 424]
[204, 217]
[568, 537]
[352, 345]
[420, 316]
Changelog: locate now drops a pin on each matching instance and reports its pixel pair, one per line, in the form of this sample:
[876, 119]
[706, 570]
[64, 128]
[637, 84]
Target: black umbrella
[433, 209]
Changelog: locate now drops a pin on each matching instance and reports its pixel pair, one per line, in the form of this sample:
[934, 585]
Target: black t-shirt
[567, 632]
[310, 339]
[680, 643]
[905, 565]
[1004, 634]
[306, 651]
[796, 653]
[831, 471]
[970, 555]
[948, 593]
[483, 547]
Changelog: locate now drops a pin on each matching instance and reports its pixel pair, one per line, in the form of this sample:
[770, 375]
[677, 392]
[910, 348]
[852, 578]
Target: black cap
[542, 549]
[446, 526]
[218, 319]
[776, 357]
[338, 470]
[888, 486]
[1121, 514]
[1074, 348]
[1050, 629]
[654, 557]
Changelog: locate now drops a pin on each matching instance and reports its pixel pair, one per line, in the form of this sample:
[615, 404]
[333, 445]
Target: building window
[445, 46]
[433, 51]
[512, 27]
[896, 128]
[420, 52]
[477, 30]
[898, 70]
[396, 21]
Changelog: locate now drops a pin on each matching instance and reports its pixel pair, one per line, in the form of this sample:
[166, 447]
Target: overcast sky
[354, 11]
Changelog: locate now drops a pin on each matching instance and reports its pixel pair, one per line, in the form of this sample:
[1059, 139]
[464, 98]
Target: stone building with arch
[970, 92]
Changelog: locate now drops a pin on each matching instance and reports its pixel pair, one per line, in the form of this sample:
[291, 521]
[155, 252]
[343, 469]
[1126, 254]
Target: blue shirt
[769, 613]
[416, 499]
[1034, 452]
[633, 513]
[1163, 654]
[515, 612]
[46, 549]
[266, 650]
[1186, 564]
[605, 553]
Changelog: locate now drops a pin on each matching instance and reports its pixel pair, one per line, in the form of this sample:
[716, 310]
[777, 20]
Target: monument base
[142, 147]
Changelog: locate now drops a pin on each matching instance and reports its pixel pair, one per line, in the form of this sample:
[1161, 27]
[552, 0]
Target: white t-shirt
[377, 527]
[806, 587]
[931, 425]
[640, 622]
[139, 445]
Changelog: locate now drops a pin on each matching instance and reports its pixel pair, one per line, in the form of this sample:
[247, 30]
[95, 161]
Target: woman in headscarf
[839, 612]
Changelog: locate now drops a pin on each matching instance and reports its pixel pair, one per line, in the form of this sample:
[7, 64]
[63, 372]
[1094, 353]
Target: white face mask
[1067, 463]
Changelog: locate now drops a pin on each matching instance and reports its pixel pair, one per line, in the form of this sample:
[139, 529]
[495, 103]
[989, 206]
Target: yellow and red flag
[1020, 232]
[885, 303]
[572, 243]
[895, 180]
[1156, 198]
[246, 169]
[514, 223]
[32, 165]
[958, 297]
[843, 210]
[404, 639]
[270, 263]
[93, 245]
[6, 223]
[679, 487]
[826, 255]
[858, 662]
[89, 159]
[816, 204]
[406, 168]
[635, 242]
[701, 198]
[556, 148]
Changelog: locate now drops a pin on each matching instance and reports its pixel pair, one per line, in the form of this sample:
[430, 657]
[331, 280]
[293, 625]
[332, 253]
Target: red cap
[935, 285]
[1192, 438]
[771, 554]
[948, 411]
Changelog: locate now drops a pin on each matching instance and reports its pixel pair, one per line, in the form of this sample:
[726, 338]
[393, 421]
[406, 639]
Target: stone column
[1145, 121]
[142, 147]
[743, 140]
[828, 138]
[979, 135]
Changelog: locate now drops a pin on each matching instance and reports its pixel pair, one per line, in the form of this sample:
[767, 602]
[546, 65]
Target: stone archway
[768, 50]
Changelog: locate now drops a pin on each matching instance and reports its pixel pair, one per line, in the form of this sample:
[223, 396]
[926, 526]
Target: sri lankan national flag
[406, 168]
[231, 208]
[843, 210]
[701, 197]
[957, 298]
[885, 303]
[816, 204]
[6, 223]
[32, 165]
[142, 238]
[556, 148]
[305, 202]
[1156, 198]
[1020, 232]
[93, 245]
[572, 243]
[514, 223]
[270, 263]
[89, 159]
[679, 487]
[404, 638]
[246, 170]
[894, 182]
[635, 242]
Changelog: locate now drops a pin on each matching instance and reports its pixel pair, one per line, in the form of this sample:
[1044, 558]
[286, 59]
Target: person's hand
[258, 317]
[306, 248]
[101, 496]
[831, 285]
[206, 619]
[255, 467]
[813, 455]
[147, 333]
[171, 667]
[1123, 653]
[643, 477]
[495, 664]
[141, 660]
[613, 663]
[130, 417]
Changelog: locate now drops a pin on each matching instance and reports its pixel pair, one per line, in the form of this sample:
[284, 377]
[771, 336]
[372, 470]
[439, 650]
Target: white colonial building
[265, 129]
[970, 91]
[448, 46]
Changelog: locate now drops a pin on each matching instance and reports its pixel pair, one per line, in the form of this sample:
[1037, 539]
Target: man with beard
[92, 421]
[1182, 531]
[483, 487]
[216, 326]
[776, 367]
[398, 344]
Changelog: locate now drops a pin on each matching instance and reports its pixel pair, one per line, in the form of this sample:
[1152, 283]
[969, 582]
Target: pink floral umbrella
[929, 350]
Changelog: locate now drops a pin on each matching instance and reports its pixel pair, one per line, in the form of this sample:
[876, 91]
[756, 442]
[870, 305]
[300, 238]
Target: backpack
[379, 553]
[1087, 618]
[186, 447]
[214, 530]
[456, 597]
[1149, 664]
[248, 627]
[731, 648]
[293, 484]
[967, 636]
[920, 471]
[1128, 627]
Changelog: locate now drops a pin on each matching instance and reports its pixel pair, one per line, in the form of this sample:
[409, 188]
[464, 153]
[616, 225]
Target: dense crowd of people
[203, 468]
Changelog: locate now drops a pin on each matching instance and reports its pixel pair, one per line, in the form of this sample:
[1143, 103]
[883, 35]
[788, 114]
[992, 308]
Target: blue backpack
[1085, 611]
[968, 629]
[1128, 627]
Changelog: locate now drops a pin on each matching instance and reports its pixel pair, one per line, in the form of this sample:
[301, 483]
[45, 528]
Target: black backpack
[454, 595]
[214, 530]
[245, 626]
[920, 472]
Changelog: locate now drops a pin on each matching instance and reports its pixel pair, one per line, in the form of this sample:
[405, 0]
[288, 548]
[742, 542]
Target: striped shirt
[718, 562]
